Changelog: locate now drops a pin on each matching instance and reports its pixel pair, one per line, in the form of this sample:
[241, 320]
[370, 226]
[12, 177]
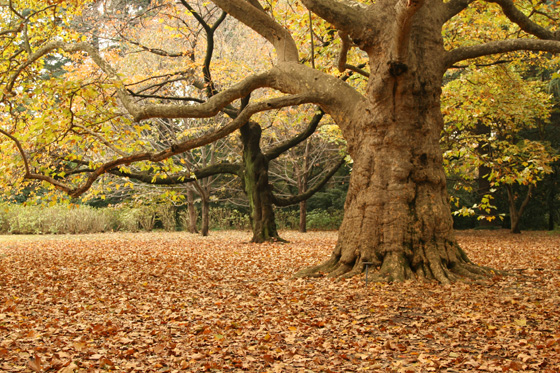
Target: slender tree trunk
[514, 213]
[205, 228]
[192, 211]
[303, 179]
[303, 216]
[551, 198]
[257, 187]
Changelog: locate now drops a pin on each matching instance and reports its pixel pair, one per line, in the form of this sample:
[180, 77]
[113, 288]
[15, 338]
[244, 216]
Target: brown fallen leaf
[69, 368]
[35, 364]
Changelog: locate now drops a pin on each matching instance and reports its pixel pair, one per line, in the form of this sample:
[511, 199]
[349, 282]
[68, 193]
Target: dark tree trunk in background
[204, 230]
[303, 179]
[515, 213]
[256, 185]
[192, 211]
[303, 216]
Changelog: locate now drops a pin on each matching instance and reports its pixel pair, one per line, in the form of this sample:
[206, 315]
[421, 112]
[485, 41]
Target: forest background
[500, 142]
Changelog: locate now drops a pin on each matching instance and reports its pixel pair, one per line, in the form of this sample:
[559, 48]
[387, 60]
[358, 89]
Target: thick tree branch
[345, 18]
[264, 25]
[344, 48]
[455, 7]
[524, 22]
[204, 110]
[282, 202]
[279, 149]
[403, 24]
[501, 46]
[20, 149]
[215, 169]
[182, 147]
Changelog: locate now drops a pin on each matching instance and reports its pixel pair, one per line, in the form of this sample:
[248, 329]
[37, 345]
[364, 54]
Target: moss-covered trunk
[256, 185]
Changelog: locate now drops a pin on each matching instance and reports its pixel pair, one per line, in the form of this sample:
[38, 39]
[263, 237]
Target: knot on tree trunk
[397, 68]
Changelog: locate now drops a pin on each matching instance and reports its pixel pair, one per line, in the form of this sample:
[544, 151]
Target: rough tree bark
[256, 185]
[397, 214]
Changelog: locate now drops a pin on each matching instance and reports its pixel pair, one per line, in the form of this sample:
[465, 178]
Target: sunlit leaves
[485, 112]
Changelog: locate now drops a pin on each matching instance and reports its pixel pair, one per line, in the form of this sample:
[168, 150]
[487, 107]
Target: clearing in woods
[173, 301]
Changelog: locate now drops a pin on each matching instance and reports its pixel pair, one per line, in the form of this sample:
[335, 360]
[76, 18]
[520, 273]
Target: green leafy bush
[286, 219]
[166, 215]
[222, 218]
[324, 220]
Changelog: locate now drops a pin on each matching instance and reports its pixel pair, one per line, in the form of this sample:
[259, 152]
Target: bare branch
[356, 69]
[263, 24]
[101, 139]
[12, 31]
[501, 46]
[524, 22]
[20, 149]
[156, 51]
[282, 202]
[279, 149]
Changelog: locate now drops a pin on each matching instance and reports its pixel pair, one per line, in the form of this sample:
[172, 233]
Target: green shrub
[146, 216]
[166, 215]
[222, 218]
[286, 219]
[87, 219]
[324, 220]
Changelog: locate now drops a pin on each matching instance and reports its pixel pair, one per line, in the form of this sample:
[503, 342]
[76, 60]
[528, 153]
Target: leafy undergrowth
[179, 302]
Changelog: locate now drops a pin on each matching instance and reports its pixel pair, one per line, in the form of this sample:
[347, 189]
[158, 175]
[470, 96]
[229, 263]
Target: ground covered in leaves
[166, 302]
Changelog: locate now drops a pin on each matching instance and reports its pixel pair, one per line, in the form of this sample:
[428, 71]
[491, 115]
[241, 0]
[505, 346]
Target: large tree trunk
[257, 187]
[397, 215]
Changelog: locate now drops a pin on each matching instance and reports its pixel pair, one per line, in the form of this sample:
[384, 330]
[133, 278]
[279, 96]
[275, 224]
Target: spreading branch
[255, 18]
[524, 22]
[279, 149]
[282, 202]
[455, 7]
[212, 170]
[179, 148]
[501, 46]
[345, 18]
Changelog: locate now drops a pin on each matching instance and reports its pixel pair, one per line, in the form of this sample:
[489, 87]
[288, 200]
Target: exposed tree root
[395, 267]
